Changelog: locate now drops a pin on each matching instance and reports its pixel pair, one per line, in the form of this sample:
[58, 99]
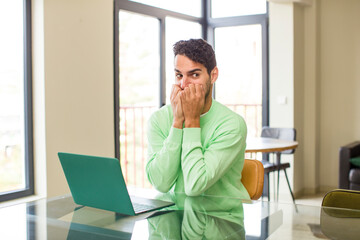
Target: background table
[268, 145]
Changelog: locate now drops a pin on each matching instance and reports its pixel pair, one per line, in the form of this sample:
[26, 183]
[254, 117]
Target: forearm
[202, 169]
[192, 162]
[164, 160]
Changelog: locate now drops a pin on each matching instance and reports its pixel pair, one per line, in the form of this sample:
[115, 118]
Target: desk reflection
[199, 218]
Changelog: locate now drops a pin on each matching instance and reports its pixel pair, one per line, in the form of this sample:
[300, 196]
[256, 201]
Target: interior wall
[309, 171]
[281, 59]
[299, 96]
[340, 83]
[78, 73]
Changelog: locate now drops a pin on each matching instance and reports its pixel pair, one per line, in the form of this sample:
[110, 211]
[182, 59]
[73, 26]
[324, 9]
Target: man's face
[190, 72]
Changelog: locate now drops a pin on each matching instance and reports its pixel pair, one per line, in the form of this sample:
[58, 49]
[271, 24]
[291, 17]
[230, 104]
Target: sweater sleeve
[164, 154]
[202, 168]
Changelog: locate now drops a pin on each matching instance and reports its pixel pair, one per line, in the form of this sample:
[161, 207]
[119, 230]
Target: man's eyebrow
[191, 71]
[194, 70]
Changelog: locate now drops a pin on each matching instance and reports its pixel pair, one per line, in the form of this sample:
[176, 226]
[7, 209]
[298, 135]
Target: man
[196, 144]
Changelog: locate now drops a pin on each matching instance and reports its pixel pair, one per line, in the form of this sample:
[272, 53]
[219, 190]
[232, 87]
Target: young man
[196, 144]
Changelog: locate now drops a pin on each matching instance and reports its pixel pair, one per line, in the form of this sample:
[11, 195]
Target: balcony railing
[133, 139]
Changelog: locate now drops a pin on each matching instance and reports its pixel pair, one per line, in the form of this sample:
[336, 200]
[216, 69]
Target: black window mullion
[204, 18]
[236, 21]
[162, 62]
[29, 166]
[116, 79]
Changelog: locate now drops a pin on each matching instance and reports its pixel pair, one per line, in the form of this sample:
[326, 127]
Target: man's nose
[184, 82]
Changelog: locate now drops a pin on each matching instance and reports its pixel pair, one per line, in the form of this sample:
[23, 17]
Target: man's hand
[193, 100]
[176, 106]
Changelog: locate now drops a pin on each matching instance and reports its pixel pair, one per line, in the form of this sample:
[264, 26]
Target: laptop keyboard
[138, 207]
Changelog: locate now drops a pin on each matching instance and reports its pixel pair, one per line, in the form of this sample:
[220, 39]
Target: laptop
[98, 182]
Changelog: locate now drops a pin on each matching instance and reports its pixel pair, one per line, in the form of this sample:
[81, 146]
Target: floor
[285, 196]
[313, 200]
[306, 227]
[310, 200]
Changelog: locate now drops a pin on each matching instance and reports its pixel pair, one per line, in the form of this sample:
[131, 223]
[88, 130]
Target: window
[16, 165]
[145, 32]
[240, 30]
[139, 92]
[240, 83]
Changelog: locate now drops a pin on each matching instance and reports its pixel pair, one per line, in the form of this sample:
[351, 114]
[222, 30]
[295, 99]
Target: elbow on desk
[195, 186]
[162, 188]
[193, 191]
[160, 184]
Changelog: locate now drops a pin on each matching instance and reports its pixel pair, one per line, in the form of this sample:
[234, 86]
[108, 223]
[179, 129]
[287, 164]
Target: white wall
[340, 83]
[73, 71]
[281, 62]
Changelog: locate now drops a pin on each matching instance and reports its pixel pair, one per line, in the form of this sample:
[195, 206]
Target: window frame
[28, 113]
[208, 25]
[263, 20]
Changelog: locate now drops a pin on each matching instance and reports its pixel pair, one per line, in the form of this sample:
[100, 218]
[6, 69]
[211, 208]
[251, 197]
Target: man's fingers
[199, 89]
[192, 88]
[182, 94]
[174, 91]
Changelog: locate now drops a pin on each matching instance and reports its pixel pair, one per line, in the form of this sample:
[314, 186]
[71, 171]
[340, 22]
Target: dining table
[268, 145]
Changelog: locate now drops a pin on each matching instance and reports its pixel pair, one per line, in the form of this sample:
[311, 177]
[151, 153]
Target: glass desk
[191, 218]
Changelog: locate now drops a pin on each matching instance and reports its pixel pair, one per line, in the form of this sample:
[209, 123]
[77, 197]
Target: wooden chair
[253, 178]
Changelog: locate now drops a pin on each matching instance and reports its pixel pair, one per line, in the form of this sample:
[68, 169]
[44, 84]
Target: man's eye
[178, 76]
[195, 75]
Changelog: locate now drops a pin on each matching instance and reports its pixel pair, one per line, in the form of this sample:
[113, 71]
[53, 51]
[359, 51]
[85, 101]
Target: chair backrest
[341, 198]
[252, 176]
[280, 133]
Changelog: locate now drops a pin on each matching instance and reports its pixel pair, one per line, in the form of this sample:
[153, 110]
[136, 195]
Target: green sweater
[206, 160]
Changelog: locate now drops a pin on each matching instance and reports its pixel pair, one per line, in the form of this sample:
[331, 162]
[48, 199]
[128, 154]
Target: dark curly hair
[198, 50]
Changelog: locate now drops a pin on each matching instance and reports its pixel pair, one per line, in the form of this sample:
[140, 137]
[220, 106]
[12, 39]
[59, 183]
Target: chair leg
[274, 187]
[287, 179]
[278, 183]
[268, 187]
